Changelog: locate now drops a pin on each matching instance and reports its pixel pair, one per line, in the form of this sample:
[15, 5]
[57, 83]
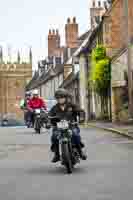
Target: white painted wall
[118, 68]
[83, 85]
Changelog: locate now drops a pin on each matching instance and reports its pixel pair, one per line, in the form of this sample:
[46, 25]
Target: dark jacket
[70, 112]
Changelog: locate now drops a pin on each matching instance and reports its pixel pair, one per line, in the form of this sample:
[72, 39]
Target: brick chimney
[53, 42]
[71, 33]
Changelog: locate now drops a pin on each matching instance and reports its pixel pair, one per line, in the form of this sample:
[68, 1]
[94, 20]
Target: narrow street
[26, 172]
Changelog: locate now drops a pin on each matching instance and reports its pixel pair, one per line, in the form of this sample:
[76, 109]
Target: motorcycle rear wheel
[37, 126]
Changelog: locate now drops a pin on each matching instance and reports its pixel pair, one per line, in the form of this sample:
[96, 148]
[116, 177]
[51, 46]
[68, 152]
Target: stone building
[14, 76]
[88, 99]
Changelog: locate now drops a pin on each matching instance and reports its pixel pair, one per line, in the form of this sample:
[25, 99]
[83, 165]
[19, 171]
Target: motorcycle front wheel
[67, 157]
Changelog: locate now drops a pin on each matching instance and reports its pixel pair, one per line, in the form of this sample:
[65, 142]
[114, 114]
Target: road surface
[26, 172]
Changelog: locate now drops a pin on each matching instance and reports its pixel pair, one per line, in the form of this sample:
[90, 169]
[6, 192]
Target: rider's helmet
[61, 93]
[28, 94]
[35, 92]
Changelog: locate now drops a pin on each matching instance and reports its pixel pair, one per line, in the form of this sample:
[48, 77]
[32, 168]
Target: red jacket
[35, 103]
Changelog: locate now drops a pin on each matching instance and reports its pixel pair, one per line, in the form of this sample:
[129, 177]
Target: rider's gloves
[48, 126]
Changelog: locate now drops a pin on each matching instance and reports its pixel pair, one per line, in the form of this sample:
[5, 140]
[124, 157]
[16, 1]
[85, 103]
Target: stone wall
[119, 84]
[13, 79]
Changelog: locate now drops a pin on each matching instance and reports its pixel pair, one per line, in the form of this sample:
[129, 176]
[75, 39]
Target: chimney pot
[99, 3]
[57, 32]
[49, 31]
[94, 5]
[68, 20]
[74, 20]
[53, 32]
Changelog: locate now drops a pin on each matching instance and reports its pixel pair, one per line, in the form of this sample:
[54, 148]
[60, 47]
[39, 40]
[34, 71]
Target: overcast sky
[26, 23]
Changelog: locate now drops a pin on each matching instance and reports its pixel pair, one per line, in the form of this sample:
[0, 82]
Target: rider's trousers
[76, 138]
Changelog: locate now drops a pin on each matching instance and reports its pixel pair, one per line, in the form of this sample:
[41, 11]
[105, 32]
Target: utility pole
[129, 60]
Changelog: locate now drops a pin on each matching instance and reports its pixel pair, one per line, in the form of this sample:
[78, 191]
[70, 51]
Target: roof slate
[72, 77]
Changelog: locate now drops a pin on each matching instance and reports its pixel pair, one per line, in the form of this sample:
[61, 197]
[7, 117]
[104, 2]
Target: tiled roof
[84, 35]
[72, 77]
[88, 40]
[45, 76]
[33, 80]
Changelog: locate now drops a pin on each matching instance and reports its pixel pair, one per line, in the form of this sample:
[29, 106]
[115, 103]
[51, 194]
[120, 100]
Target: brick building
[71, 37]
[115, 35]
[115, 26]
[13, 79]
[51, 69]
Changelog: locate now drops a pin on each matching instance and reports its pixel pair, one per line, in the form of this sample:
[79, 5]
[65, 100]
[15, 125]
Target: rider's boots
[56, 157]
[82, 144]
[83, 156]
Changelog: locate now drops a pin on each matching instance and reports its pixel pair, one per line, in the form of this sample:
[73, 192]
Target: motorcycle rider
[81, 113]
[78, 115]
[36, 102]
[24, 107]
[67, 110]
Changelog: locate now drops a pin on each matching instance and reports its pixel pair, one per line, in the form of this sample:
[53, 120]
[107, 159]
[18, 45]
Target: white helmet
[35, 92]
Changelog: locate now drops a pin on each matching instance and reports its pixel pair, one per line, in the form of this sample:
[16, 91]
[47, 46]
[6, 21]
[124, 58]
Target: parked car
[4, 122]
[8, 122]
[50, 103]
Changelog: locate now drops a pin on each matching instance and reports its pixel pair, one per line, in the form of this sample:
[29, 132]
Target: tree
[100, 76]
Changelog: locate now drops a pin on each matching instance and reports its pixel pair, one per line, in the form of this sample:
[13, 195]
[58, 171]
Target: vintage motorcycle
[69, 154]
[40, 118]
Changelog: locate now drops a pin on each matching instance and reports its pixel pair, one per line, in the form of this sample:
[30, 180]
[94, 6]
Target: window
[76, 68]
[99, 3]
[125, 75]
[106, 27]
[97, 19]
[58, 60]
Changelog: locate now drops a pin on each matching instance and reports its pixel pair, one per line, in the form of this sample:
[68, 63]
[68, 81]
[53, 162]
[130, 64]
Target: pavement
[26, 171]
[125, 130]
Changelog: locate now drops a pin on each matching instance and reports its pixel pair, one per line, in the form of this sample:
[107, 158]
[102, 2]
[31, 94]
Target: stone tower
[14, 77]
[71, 33]
[1, 55]
[53, 42]
[96, 12]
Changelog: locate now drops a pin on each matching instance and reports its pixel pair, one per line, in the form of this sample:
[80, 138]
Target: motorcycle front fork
[60, 149]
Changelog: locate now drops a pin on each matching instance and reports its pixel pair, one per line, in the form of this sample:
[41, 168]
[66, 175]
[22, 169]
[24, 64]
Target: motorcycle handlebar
[58, 118]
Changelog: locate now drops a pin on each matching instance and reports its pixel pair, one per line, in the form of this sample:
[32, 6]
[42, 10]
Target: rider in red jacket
[36, 102]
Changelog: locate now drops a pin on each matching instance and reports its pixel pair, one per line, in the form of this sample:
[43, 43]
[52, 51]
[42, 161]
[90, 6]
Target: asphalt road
[27, 174]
